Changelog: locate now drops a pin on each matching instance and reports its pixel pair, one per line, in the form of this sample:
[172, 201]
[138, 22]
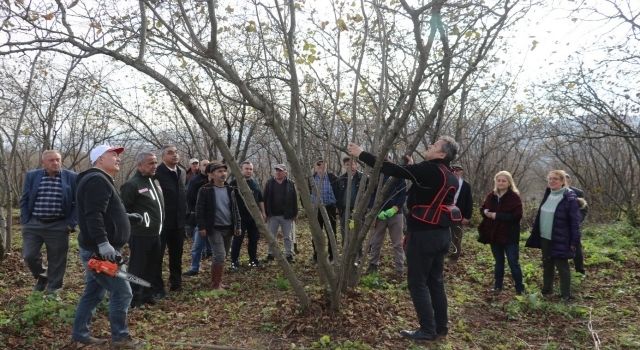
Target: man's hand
[354, 149]
[107, 251]
[465, 222]
[388, 214]
[203, 232]
[135, 218]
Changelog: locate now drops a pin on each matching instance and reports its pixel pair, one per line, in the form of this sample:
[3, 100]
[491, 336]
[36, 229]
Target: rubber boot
[216, 276]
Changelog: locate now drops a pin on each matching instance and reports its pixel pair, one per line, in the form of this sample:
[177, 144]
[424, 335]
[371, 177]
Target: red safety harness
[436, 212]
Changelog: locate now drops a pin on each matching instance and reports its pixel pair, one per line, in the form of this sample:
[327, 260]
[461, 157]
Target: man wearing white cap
[281, 207]
[104, 230]
[194, 168]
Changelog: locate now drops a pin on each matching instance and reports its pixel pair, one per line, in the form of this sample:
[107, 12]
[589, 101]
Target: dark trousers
[512, 252]
[578, 259]
[143, 263]
[426, 251]
[331, 212]
[549, 264]
[173, 239]
[249, 229]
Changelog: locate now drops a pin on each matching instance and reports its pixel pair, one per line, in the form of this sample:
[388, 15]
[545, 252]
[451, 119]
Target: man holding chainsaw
[104, 230]
[142, 194]
[431, 213]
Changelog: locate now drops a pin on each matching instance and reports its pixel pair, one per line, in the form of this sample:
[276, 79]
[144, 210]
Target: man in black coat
[172, 178]
[431, 211]
[142, 194]
[464, 202]
[104, 230]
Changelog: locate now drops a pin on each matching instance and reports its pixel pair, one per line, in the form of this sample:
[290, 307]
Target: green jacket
[143, 195]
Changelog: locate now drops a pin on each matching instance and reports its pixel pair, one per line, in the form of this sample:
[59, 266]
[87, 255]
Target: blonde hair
[512, 184]
[559, 173]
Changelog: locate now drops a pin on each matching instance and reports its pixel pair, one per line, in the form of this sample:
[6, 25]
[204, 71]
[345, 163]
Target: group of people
[152, 209]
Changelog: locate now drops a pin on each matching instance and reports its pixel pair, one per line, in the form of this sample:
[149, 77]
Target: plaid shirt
[326, 192]
[49, 198]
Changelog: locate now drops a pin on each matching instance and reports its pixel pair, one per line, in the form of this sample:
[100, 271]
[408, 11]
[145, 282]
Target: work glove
[387, 214]
[107, 251]
[135, 218]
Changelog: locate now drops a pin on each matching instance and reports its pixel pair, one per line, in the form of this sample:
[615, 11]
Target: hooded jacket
[143, 195]
[102, 216]
[565, 232]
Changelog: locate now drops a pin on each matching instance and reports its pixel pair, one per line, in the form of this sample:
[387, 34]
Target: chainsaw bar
[133, 279]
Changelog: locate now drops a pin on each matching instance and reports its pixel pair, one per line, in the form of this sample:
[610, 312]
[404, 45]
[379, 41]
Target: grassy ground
[259, 310]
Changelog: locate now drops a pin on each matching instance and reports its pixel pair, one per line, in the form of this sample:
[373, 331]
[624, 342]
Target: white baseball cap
[97, 151]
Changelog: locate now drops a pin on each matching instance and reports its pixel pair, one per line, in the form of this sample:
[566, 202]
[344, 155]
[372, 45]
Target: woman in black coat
[500, 227]
[557, 232]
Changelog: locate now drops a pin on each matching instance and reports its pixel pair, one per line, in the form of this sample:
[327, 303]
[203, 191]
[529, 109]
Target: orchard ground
[259, 310]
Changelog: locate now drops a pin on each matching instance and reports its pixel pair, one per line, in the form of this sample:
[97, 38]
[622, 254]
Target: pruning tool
[112, 269]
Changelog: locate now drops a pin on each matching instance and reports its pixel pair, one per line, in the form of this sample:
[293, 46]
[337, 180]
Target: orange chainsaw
[112, 269]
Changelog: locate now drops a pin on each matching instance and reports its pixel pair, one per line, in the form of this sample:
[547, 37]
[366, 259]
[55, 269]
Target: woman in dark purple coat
[500, 227]
[557, 232]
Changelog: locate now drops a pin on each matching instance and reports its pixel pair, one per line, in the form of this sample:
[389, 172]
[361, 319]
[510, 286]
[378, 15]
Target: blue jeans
[96, 287]
[512, 252]
[199, 245]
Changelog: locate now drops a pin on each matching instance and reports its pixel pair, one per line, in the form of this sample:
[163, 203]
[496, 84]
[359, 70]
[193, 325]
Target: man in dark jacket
[104, 230]
[430, 200]
[142, 194]
[345, 207]
[48, 215]
[323, 190]
[172, 181]
[281, 208]
[464, 202]
[200, 244]
[248, 223]
[389, 219]
[218, 217]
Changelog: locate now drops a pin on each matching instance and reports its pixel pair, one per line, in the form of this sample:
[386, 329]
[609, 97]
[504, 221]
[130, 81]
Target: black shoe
[159, 295]
[290, 259]
[372, 269]
[268, 258]
[418, 334]
[190, 273]
[442, 332]
[496, 290]
[254, 263]
[520, 292]
[175, 288]
[206, 255]
[235, 266]
[295, 248]
[567, 300]
[41, 284]
[135, 303]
